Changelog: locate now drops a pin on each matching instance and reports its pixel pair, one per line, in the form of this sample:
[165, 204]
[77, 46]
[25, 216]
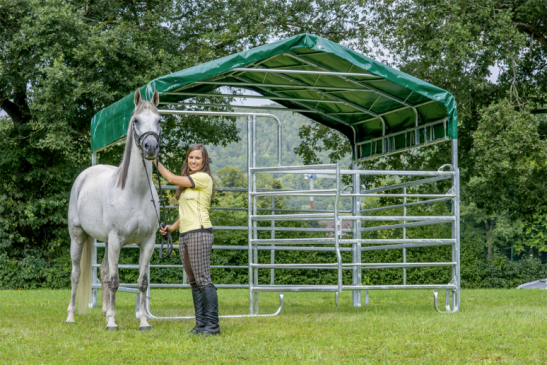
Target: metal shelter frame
[358, 215]
[371, 107]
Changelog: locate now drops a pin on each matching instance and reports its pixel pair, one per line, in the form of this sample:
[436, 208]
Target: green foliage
[461, 46]
[63, 61]
[535, 236]
[502, 273]
[510, 173]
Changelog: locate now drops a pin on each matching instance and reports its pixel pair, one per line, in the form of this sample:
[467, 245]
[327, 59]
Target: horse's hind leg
[105, 280]
[147, 250]
[77, 241]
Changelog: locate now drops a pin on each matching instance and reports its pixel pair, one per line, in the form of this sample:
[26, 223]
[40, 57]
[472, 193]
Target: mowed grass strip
[493, 326]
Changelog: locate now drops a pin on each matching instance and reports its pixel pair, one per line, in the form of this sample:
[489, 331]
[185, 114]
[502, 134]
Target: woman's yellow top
[194, 203]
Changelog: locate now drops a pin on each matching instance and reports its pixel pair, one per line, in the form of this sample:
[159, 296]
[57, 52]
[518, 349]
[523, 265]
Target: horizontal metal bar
[293, 168]
[215, 247]
[405, 184]
[299, 248]
[399, 195]
[404, 245]
[400, 287]
[199, 112]
[276, 209]
[120, 288]
[253, 97]
[128, 266]
[402, 225]
[282, 86]
[292, 217]
[175, 187]
[398, 218]
[399, 265]
[396, 172]
[303, 171]
[399, 150]
[334, 288]
[221, 286]
[294, 241]
[294, 266]
[326, 73]
[407, 107]
[241, 107]
[430, 124]
[294, 288]
[270, 209]
[406, 205]
[220, 188]
[326, 192]
[397, 240]
[280, 229]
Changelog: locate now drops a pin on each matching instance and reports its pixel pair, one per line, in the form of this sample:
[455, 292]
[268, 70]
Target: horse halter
[139, 139]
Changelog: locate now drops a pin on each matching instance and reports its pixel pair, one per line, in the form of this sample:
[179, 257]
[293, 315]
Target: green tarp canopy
[381, 110]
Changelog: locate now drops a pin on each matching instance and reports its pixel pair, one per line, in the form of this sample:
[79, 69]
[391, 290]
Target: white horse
[113, 205]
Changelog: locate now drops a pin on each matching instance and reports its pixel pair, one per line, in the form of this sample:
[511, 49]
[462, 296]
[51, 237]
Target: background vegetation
[62, 61]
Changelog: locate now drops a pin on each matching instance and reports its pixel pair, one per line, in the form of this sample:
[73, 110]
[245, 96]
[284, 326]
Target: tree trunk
[490, 251]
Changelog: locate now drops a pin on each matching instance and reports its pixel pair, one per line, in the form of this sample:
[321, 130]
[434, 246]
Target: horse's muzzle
[150, 148]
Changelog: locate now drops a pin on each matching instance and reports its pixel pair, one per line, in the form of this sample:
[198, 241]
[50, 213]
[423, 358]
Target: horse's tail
[83, 292]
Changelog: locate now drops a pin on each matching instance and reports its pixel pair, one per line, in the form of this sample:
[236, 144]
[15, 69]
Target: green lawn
[493, 326]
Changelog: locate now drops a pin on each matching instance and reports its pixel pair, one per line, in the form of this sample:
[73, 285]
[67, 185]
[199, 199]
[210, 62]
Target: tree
[457, 45]
[232, 177]
[62, 61]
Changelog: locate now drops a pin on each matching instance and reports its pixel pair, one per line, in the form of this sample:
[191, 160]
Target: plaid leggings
[195, 254]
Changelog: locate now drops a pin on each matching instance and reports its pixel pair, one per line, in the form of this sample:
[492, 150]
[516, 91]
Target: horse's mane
[122, 170]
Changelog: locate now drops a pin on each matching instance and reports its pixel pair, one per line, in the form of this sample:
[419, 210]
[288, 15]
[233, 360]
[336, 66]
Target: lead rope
[162, 202]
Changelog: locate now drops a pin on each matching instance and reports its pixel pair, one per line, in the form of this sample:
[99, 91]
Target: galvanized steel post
[255, 212]
[456, 226]
[249, 212]
[272, 236]
[356, 248]
[404, 235]
[94, 278]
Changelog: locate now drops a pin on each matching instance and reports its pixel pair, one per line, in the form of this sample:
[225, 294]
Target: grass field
[493, 326]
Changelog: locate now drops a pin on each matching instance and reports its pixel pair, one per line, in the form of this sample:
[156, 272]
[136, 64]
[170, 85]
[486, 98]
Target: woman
[194, 193]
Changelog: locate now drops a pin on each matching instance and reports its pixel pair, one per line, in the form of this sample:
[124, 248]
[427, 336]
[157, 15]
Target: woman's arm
[170, 228]
[173, 179]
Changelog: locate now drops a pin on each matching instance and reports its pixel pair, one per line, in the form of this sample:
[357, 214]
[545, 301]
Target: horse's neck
[137, 176]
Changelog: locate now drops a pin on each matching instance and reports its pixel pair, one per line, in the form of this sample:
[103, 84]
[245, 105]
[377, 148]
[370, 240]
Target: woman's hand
[164, 230]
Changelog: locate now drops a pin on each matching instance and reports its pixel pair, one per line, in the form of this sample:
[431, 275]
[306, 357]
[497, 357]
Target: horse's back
[86, 199]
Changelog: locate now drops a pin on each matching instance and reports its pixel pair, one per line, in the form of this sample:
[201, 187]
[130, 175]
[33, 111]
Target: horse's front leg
[147, 249]
[105, 277]
[114, 247]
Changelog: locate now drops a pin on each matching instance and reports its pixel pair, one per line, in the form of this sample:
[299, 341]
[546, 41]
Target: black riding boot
[211, 310]
[199, 308]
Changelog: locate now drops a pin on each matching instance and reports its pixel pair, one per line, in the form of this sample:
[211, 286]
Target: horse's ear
[138, 97]
[155, 98]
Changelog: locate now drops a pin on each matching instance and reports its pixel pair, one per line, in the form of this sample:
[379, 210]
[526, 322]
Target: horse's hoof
[145, 328]
[67, 322]
[112, 328]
